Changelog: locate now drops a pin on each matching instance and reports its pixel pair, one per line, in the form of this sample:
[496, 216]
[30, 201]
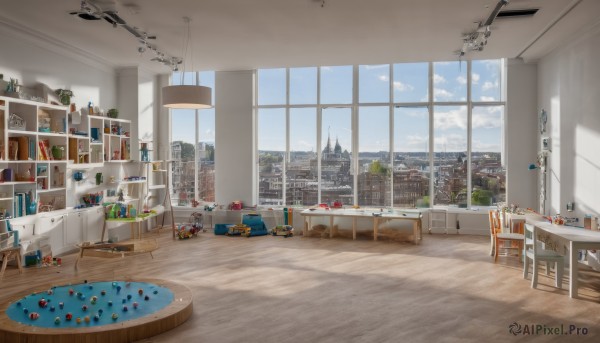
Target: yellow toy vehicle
[283, 230]
[239, 229]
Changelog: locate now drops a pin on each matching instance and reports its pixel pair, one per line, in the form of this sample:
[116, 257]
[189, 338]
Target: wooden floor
[275, 289]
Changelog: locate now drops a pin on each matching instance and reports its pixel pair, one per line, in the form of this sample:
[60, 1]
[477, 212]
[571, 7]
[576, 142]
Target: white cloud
[383, 78]
[376, 66]
[488, 85]
[451, 119]
[481, 146]
[413, 143]
[442, 94]
[461, 80]
[486, 98]
[417, 114]
[475, 78]
[438, 79]
[450, 142]
[402, 87]
[325, 68]
[488, 119]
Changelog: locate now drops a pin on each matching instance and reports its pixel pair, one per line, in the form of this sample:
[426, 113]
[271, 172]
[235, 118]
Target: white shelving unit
[33, 156]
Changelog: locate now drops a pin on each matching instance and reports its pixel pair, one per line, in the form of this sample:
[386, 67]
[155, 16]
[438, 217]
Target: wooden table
[577, 239]
[121, 249]
[7, 254]
[135, 224]
[375, 215]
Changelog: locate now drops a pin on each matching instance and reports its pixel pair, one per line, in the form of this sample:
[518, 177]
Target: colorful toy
[34, 315]
[283, 230]
[239, 229]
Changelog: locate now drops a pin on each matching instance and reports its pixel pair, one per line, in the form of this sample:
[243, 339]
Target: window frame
[430, 104]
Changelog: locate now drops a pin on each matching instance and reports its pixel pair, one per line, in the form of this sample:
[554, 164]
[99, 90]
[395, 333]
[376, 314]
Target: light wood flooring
[275, 289]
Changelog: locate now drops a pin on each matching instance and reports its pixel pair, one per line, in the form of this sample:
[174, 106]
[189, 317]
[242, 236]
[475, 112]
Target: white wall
[521, 133]
[33, 61]
[569, 89]
[234, 145]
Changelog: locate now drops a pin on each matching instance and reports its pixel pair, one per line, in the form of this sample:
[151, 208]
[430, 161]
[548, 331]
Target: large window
[406, 135]
[193, 147]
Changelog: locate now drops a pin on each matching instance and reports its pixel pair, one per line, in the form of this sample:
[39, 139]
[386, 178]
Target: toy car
[239, 229]
[283, 230]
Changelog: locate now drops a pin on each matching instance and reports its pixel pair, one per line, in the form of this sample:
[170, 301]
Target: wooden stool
[7, 254]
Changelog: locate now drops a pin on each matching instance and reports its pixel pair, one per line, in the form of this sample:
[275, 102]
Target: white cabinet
[53, 227]
[75, 227]
[94, 224]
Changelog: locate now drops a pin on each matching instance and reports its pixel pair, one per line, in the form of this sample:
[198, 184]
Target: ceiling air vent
[517, 13]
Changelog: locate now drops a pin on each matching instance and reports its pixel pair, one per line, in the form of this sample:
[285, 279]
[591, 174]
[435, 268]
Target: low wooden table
[7, 254]
[121, 249]
[376, 216]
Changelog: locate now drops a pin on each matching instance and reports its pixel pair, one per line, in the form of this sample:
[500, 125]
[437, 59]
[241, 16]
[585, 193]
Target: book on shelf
[13, 148]
[23, 150]
[44, 150]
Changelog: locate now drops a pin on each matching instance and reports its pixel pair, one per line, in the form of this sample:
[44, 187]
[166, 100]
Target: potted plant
[112, 113]
[64, 95]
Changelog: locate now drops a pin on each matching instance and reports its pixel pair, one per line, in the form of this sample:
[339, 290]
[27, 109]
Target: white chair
[438, 219]
[505, 241]
[538, 254]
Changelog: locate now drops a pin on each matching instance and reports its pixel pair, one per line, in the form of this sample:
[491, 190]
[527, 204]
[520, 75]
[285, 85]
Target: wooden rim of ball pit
[175, 314]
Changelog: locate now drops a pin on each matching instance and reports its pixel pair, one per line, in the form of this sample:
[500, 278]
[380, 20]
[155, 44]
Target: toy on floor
[283, 230]
[239, 229]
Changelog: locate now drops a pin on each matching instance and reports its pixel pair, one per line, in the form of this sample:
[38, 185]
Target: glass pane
[336, 144]
[271, 150]
[488, 174]
[449, 81]
[271, 87]
[301, 174]
[303, 86]
[189, 78]
[374, 83]
[450, 147]
[207, 78]
[206, 155]
[411, 82]
[485, 77]
[374, 156]
[183, 136]
[336, 85]
[411, 157]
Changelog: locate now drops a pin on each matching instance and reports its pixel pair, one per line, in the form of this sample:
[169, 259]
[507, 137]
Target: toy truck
[239, 229]
[283, 230]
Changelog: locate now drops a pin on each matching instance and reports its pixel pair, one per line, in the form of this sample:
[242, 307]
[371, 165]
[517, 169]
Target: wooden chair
[506, 241]
[8, 252]
[538, 254]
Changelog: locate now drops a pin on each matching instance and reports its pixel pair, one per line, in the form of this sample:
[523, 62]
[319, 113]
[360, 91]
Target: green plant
[112, 113]
[64, 95]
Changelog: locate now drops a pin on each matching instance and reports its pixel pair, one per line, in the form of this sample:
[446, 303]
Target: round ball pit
[99, 311]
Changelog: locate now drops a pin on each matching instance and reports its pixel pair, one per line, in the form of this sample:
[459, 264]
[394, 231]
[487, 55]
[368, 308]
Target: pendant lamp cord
[186, 44]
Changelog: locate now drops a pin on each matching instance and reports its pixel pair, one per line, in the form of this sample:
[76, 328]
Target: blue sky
[410, 85]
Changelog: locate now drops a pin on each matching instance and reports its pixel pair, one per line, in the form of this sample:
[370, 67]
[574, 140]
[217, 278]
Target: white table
[578, 239]
[376, 215]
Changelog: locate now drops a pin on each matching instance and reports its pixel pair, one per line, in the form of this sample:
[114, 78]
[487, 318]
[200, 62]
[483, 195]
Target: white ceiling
[248, 34]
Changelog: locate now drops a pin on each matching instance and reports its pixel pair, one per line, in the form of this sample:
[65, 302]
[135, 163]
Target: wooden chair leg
[495, 249]
[19, 262]
[534, 275]
[559, 274]
[4, 262]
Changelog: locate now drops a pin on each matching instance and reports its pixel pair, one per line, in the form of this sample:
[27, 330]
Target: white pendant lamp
[187, 96]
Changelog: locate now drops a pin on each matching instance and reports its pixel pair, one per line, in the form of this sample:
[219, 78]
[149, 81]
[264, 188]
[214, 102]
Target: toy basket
[191, 228]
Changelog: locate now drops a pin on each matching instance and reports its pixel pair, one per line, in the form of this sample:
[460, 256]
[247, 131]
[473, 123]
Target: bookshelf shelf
[34, 148]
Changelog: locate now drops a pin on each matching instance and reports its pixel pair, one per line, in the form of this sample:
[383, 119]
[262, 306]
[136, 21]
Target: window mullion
[431, 138]
[469, 134]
